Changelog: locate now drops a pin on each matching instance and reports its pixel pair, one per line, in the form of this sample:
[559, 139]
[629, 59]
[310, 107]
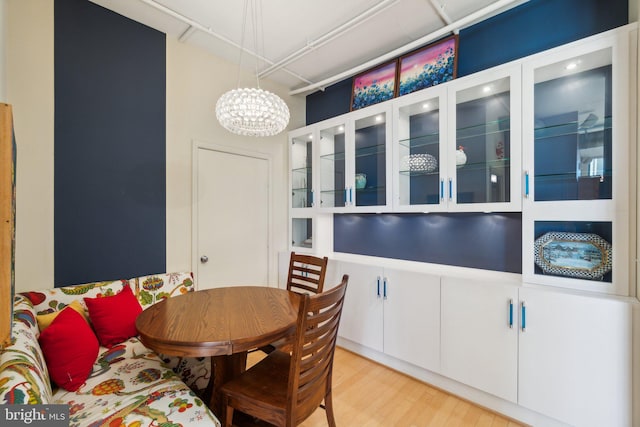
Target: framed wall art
[428, 66]
[375, 85]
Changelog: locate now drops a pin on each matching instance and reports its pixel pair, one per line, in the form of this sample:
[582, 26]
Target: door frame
[198, 145]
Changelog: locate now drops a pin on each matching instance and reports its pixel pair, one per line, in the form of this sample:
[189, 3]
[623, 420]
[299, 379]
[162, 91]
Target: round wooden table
[223, 323]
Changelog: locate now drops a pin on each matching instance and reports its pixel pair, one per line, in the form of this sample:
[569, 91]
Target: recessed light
[378, 118]
[341, 128]
[486, 89]
[571, 65]
[311, 136]
[425, 106]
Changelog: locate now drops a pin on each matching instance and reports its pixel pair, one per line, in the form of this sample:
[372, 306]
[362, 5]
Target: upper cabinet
[457, 146]
[576, 122]
[484, 151]
[420, 151]
[301, 163]
[354, 161]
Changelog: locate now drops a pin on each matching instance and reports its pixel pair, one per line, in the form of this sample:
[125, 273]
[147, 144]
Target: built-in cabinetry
[576, 126]
[480, 335]
[548, 135]
[564, 355]
[393, 311]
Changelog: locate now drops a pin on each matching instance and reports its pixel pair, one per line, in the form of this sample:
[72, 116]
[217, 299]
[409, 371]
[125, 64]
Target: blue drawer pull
[511, 313]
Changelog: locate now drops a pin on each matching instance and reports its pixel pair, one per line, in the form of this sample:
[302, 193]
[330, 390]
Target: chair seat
[266, 382]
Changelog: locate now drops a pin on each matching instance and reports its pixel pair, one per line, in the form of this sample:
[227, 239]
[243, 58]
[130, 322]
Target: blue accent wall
[493, 241]
[476, 240]
[524, 30]
[110, 214]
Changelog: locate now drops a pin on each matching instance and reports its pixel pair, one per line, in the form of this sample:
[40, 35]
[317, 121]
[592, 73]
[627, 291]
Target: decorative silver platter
[580, 255]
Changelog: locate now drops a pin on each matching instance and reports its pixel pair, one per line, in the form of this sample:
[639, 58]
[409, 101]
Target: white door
[575, 358]
[412, 317]
[361, 320]
[480, 335]
[232, 218]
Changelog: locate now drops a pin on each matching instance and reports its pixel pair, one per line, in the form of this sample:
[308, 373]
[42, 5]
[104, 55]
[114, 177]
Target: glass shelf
[301, 190]
[501, 163]
[421, 141]
[301, 171]
[570, 128]
[370, 189]
[418, 173]
[571, 175]
[373, 150]
[334, 156]
[483, 129]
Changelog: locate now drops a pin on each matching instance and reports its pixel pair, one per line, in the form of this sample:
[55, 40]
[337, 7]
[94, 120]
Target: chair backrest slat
[306, 273]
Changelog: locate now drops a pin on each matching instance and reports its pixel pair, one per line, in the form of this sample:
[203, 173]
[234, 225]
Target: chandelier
[251, 111]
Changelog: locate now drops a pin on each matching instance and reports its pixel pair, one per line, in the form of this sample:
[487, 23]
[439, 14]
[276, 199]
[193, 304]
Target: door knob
[204, 259]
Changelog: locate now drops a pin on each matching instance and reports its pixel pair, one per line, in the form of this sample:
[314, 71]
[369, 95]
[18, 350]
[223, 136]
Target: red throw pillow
[70, 348]
[114, 317]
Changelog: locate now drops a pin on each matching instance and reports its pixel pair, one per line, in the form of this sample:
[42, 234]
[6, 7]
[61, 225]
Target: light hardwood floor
[366, 394]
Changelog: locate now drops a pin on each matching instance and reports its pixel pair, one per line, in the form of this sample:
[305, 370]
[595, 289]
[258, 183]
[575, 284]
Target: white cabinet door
[412, 318]
[575, 358]
[362, 314]
[480, 335]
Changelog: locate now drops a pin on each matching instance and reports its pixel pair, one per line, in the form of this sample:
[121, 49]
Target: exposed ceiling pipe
[327, 37]
[408, 47]
[197, 26]
[445, 17]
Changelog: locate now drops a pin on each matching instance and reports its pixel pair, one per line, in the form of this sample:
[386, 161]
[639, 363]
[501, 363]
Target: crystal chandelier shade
[252, 112]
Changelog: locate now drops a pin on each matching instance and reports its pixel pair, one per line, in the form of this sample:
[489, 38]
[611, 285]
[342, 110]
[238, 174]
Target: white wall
[30, 88]
[195, 81]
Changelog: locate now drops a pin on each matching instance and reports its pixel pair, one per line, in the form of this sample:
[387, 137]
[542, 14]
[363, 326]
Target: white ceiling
[330, 38]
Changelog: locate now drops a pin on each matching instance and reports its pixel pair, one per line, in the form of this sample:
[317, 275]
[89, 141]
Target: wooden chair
[286, 388]
[306, 273]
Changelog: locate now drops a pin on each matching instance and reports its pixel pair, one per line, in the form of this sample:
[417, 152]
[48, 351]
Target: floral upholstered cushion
[156, 287]
[129, 385]
[24, 377]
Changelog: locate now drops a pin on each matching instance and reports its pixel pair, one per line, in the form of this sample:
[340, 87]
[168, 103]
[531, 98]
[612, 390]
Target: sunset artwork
[374, 86]
[428, 67]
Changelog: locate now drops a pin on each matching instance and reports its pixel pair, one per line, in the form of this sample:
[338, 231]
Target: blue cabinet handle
[526, 184]
[511, 313]
[523, 317]
[345, 197]
[378, 286]
[450, 189]
[442, 189]
[384, 282]
[351, 195]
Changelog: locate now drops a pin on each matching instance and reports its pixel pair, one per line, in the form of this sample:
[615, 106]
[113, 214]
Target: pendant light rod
[197, 26]
[481, 13]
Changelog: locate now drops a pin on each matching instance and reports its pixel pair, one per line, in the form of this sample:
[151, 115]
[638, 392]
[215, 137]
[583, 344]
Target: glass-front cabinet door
[420, 151]
[301, 163]
[332, 164]
[368, 180]
[576, 122]
[484, 153]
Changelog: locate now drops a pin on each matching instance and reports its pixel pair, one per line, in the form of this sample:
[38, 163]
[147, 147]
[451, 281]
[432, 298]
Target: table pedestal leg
[224, 368]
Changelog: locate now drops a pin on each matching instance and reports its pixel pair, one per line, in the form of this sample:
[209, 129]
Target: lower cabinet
[480, 335]
[575, 358]
[558, 353]
[393, 311]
